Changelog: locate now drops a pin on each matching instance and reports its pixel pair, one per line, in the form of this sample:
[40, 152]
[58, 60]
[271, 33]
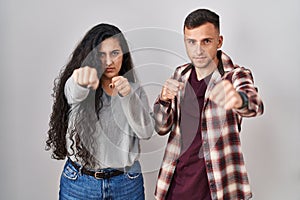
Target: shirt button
[208, 165]
[213, 186]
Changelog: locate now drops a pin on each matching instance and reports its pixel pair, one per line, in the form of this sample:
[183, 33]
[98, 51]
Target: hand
[87, 77]
[170, 89]
[121, 85]
[225, 95]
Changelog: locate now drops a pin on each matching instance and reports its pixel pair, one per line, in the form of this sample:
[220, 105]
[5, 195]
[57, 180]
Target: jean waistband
[99, 174]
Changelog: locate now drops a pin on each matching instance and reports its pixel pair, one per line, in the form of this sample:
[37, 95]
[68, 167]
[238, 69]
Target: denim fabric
[77, 186]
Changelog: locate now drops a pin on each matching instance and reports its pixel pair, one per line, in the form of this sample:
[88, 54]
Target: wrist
[163, 102]
[161, 98]
[245, 101]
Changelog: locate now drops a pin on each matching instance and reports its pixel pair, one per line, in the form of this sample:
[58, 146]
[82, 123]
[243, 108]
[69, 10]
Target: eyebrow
[111, 51]
[190, 40]
[207, 38]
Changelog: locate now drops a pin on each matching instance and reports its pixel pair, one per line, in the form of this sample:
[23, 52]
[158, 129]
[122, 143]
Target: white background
[37, 38]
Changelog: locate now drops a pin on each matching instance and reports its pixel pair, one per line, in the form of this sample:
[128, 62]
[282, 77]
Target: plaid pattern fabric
[221, 146]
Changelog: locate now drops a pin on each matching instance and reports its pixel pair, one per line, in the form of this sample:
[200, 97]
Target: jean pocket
[70, 172]
[133, 175]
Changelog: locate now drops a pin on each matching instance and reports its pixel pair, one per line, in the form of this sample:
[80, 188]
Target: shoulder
[180, 70]
[239, 73]
[182, 67]
[134, 85]
[234, 70]
[137, 88]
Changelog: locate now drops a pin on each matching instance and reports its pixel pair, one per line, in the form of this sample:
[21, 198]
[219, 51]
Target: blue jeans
[77, 186]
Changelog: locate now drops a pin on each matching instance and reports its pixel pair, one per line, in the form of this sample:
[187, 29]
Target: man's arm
[237, 92]
[163, 115]
[165, 107]
[242, 80]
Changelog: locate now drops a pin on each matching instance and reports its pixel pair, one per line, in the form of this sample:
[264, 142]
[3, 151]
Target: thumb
[94, 85]
[181, 86]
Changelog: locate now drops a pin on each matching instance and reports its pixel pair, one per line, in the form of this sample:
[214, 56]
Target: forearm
[139, 116]
[254, 106]
[243, 82]
[164, 116]
[74, 92]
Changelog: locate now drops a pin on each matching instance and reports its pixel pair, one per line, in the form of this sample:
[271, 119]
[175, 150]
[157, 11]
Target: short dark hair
[200, 17]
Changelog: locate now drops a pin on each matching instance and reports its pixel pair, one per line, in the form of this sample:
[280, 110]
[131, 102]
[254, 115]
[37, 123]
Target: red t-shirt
[190, 178]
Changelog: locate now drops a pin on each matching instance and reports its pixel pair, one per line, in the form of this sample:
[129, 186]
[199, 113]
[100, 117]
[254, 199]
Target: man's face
[202, 44]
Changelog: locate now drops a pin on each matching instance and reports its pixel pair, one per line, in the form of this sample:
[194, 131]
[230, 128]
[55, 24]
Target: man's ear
[220, 41]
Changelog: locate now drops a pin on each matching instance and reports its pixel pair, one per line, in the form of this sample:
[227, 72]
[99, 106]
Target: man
[202, 106]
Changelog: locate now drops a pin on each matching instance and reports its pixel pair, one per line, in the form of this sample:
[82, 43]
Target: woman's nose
[108, 60]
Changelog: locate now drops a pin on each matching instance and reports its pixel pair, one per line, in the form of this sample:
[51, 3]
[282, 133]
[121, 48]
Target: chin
[109, 76]
[199, 65]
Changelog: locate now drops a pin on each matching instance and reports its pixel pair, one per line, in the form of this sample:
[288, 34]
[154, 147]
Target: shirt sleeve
[164, 111]
[138, 113]
[74, 92]
[163, 115]
[242, 80]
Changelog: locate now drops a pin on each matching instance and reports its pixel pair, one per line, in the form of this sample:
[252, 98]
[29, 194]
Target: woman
[99, 115]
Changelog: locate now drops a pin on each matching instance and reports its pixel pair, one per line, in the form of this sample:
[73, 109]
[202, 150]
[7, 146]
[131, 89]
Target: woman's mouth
[109, 69]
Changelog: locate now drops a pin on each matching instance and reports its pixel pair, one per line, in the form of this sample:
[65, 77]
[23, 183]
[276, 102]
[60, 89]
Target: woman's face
[111, 57]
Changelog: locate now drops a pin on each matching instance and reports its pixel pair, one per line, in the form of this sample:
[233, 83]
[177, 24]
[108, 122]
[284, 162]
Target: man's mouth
[200, 58]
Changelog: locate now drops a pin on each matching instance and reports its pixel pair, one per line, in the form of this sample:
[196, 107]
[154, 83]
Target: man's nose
[199, 49]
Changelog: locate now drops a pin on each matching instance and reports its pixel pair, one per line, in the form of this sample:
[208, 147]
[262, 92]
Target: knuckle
[80, 70]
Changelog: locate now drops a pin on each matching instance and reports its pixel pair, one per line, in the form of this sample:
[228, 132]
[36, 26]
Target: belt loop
[80, 170]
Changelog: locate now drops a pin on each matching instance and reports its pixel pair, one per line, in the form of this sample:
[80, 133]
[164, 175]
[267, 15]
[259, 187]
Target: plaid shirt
[221, 145]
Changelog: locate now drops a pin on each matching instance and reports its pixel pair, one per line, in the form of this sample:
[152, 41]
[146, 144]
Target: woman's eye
[101, 55]
[115, 53]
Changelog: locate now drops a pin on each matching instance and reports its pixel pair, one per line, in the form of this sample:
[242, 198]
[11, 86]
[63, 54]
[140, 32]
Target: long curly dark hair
[82, 133]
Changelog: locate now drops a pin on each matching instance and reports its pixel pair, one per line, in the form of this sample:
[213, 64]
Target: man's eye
[191, 41]
[207, 41]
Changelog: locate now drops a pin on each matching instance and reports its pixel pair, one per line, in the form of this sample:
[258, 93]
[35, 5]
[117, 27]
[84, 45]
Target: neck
[204, 72]
[105, 85]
